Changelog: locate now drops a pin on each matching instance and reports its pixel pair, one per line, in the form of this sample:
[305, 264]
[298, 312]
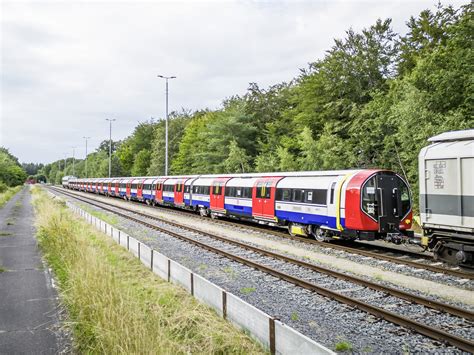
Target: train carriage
[238, 196]
[200, 190]
[350, 204]
[446, 169]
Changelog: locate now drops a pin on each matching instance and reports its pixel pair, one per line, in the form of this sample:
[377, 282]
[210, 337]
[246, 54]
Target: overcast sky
[67, 66]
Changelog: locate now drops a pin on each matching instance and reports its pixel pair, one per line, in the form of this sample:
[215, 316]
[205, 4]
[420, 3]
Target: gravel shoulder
[374, 270]
[326, 321]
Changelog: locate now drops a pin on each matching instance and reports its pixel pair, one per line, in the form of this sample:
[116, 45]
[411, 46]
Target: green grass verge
[110, 219]
[8, 194]
[115, 304]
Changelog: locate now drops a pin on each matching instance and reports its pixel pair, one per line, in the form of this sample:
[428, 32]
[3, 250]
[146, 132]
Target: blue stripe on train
[307, 218]
[199, 203]
[239, 210]
[168, 199]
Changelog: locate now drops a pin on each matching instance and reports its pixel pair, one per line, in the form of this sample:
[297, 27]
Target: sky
[66, 66]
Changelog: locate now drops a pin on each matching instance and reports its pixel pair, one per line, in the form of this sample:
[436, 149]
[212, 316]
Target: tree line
[371, 101]
[11, 172]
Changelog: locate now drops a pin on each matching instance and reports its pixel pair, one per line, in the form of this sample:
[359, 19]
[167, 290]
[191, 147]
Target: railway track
[273, 264]
[396, 256]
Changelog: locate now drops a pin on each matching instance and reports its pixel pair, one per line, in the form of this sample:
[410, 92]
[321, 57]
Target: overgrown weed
[116, 305]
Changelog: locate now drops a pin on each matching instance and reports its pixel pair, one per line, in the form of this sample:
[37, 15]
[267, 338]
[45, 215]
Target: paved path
[29, 321]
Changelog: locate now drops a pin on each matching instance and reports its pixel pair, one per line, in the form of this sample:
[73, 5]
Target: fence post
[271, 324]
[224, 304]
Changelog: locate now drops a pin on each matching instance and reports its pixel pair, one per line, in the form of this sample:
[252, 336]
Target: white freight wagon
[446, 170]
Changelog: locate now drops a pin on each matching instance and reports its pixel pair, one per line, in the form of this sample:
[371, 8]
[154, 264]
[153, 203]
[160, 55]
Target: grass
[5, 234]
[230, 271]
[2, 269]
[343, 346]
[8, 194]
[294, 316]
[247, 290]
[110, 219]
[10, 222]
[115, 304]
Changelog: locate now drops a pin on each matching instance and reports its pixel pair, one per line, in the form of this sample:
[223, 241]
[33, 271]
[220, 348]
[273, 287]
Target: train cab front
[384, 206]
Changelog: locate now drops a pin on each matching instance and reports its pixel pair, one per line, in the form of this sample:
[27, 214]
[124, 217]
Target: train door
[179, 193]
[387, 195]
[117, 188]
[140, 190]
[217, 194]
[159, 191]
[263, 197]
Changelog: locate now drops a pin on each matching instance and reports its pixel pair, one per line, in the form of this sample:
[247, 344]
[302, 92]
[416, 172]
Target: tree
[237, 161]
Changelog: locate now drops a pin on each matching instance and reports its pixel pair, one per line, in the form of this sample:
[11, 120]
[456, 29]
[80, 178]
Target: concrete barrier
[160, 265]
[123, 240]
[146, 255]
[249, 318]
[273, 334]
[180, 275]
[134, 246]
[208, 293]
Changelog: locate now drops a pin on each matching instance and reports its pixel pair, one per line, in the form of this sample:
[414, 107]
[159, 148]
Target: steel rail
[435, 333]
[371, 254]
[439, 306]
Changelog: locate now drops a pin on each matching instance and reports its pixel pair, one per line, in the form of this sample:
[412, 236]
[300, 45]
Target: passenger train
[344, 204]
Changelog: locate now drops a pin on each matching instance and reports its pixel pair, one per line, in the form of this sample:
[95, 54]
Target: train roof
[467, 134]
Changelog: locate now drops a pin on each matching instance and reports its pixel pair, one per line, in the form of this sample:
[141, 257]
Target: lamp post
[73, 161]
[166, 123]
[110, 143]
[86, 138]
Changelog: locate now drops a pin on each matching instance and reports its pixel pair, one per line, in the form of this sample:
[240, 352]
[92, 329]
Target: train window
[247, 192]
[333, 187]
[268, 189]
[317, 197]
[297, 195]
[195, 189]
[260, 190]
[206, 190]
[238, 191]
[369, 199]
[404, 197]
[217, 189]
[187, 188]
[283, 194]
[179, 187]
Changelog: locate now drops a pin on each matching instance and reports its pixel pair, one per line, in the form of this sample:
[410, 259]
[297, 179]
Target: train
[446, 175]
[364, 204]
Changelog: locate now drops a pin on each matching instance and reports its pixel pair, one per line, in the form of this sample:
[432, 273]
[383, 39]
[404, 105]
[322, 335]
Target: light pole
[73, 161]
[166, 123]
[110, 143]
[86, 138]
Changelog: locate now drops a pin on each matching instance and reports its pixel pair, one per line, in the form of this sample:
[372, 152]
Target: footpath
[29, 307]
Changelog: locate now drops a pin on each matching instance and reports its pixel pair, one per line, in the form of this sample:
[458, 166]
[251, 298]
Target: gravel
[326, 321]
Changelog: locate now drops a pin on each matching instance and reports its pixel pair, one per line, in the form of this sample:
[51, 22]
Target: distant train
[446, 170]
[345, 204]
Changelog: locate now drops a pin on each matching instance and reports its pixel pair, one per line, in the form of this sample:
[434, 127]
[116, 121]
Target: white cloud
[66, 66]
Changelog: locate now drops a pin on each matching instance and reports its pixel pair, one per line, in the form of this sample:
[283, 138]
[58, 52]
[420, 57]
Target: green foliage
[343, 346]
[371, 102]
[11, 172]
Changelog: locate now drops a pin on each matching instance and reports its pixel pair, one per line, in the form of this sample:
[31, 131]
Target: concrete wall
[274, 335]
